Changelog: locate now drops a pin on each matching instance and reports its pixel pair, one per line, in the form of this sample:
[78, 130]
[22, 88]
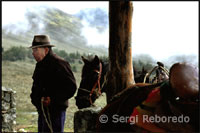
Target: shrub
[61, 53]
[15, 53]
[74, 69]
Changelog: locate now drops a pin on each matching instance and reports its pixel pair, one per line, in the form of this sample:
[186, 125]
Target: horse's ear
[84, 60]
[96, 59]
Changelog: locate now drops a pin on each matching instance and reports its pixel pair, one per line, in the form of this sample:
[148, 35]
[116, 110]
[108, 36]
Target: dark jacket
[53, 77]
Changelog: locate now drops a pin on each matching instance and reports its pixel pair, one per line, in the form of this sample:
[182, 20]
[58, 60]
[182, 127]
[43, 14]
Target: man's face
[39, 53]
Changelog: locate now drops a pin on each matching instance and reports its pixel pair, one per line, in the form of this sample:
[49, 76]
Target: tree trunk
[120, 73]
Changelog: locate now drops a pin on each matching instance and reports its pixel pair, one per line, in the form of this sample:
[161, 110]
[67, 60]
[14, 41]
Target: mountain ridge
[64, 31]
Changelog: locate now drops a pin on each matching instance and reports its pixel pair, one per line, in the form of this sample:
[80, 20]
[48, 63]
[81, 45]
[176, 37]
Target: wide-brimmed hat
[41, 41]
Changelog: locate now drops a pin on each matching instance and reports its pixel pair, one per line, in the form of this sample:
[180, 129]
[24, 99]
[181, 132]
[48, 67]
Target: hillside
[64, 30]
[18, 76]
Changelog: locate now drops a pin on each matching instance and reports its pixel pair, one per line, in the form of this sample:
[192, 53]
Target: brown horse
[93, 79]
[175, 98]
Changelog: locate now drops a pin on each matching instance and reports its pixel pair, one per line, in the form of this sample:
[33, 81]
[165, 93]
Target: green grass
[18, 76]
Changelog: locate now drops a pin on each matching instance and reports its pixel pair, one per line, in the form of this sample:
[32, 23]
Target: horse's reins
[97, 83]
[48, 123]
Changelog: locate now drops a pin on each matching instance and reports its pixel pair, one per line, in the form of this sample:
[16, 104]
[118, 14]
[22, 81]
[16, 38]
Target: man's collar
[44, 60]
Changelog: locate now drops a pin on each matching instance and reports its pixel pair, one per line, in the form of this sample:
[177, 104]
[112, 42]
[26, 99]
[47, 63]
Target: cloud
[95, 17]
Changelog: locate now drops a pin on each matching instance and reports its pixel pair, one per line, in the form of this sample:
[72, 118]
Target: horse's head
[90, 81]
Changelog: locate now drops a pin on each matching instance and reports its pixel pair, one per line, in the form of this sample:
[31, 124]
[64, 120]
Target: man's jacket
[53, 77]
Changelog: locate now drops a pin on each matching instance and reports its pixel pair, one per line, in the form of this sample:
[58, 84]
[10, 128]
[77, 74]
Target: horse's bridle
[96, 83]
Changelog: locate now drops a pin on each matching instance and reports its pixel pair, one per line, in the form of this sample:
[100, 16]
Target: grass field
[18, 76]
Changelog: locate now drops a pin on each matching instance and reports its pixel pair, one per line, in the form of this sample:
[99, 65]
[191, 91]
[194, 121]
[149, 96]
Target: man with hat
[53, 84]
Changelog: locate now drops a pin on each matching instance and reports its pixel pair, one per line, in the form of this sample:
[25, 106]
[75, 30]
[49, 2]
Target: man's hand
[46, 101]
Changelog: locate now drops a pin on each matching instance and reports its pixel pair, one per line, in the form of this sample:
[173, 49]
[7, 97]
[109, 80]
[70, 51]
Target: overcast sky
[160, 29]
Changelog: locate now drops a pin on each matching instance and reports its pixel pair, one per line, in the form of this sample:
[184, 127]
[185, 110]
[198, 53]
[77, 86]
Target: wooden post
[120, 73]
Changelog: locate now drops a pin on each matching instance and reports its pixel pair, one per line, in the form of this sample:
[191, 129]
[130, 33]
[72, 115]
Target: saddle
[180, 96]
[184, 80]
[175, 97]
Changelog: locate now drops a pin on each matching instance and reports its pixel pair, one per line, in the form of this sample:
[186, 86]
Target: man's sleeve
[65, 84]
[35, 96]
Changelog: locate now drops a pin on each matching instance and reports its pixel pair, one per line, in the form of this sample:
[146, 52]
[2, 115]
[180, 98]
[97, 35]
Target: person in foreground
[53, 84]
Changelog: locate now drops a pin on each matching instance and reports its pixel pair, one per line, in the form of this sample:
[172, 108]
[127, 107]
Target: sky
[160, 29]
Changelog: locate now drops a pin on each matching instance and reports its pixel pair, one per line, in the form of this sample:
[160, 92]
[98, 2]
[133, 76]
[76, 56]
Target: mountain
[64, 30]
